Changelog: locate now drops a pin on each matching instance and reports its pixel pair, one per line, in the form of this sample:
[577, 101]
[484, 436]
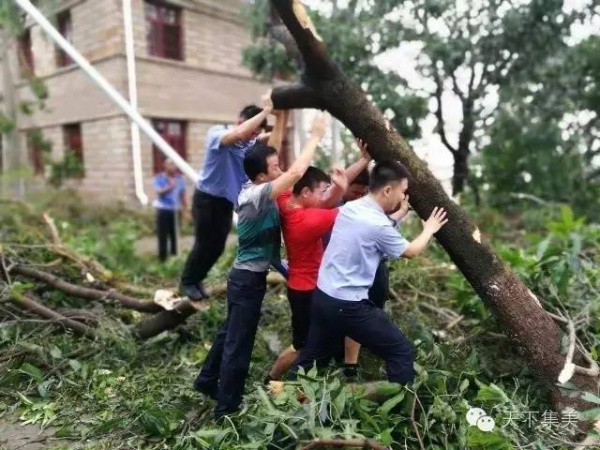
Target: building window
[172, 131]
[163, 30]
[26, 53]
[73, 144]
[65, 28]
[36, 156]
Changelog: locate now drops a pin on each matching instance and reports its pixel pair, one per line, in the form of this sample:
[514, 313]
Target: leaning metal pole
[114, 95]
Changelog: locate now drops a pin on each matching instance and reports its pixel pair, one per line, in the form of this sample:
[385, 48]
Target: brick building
[189, 77]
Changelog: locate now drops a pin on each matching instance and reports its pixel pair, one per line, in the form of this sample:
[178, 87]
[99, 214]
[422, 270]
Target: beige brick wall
[170, 91]
[213, 35]
[107, 160]
[97, 33]
[73, 97]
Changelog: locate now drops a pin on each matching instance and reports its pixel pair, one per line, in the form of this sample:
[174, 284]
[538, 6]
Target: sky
[403, 61]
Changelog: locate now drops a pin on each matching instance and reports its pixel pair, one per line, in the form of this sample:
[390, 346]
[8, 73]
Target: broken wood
[26, 302]
[523, 319]
[345, 443]
[84, 292]
[169, 320]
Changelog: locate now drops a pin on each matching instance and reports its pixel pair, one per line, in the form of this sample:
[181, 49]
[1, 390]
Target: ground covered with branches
[72, 362]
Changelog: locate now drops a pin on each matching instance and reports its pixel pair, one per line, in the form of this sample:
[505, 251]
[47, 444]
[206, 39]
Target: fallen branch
[53, 230]
[169, 320]
[84, 292]
[344, 443]
[25, 302]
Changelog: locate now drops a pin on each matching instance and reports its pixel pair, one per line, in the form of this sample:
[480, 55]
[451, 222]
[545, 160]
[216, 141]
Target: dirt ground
[14, 436]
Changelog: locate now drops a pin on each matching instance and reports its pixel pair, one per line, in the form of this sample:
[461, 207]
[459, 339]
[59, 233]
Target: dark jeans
[212, 223]
[166, 232]
[301, 305]
[380, 290]
[226, 367]
[332, 319]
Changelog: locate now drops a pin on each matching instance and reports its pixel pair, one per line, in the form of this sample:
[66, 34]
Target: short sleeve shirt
[303, 230]
[222, 173]
[259, 233]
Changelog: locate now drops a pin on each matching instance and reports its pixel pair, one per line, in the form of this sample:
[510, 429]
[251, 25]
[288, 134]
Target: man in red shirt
[307, 214]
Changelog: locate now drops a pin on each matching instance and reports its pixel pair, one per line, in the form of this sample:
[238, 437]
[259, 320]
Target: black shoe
[191, 291]
[202, 290]
[350, 372]
[220, 415]
[209, 391]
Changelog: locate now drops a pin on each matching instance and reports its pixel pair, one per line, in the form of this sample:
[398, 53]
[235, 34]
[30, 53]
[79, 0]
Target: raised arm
[276, 138]
[245, 130]
[335, 192]
[360, 165]
[295, 172]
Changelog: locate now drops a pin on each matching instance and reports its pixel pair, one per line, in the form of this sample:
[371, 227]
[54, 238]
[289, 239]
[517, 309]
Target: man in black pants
[365, 231]
[170, 189]
[217, 190]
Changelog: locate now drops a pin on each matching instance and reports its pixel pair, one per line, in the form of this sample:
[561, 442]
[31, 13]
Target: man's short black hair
[255, 160]
[363, 178]
[311, 179]
[385, 173]
[250, 111]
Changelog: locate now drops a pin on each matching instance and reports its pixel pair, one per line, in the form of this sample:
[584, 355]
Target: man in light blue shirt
[169, 186]
[364, 232]
[217, 190]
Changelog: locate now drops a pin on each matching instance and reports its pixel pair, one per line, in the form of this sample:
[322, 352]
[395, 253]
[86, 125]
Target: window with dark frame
[73, 143]
[65, 28]
[164, 33]
[172, 131]
[26, 53]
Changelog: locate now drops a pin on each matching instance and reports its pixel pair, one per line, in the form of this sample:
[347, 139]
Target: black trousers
[332, 319]
[226, 366]
[380, 290]
[212, 222]
[301, 305]
[166, 232]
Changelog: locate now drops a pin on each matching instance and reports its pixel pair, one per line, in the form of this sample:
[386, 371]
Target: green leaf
[589, 397]
[32, 371]
[389, 404]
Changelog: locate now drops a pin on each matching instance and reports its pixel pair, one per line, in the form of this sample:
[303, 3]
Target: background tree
[469, 51]
[545, 140]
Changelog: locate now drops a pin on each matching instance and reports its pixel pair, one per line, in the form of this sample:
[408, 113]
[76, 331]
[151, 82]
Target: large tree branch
[277, 30]
[296, 96]
[84, 292]
[518, 311]
[309, 43]
[26, 302]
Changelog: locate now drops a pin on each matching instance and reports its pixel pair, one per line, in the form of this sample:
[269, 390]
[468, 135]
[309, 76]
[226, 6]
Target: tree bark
[27, 303]
[536, 335]
[84, 292]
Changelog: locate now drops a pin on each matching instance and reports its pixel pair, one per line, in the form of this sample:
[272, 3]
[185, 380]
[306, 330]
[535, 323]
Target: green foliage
[69, 167]
[355, 37]
[119, 393]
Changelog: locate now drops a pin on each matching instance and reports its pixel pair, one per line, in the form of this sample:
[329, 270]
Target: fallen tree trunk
[324, 86]
[169, 320]
[84, 292]
[27, 303]
[344, 443]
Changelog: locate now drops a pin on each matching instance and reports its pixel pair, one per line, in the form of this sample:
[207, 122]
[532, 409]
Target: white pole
[136, 152]
[107, 88]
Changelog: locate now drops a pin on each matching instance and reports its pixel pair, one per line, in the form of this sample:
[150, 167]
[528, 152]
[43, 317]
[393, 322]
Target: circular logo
[479, 418]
